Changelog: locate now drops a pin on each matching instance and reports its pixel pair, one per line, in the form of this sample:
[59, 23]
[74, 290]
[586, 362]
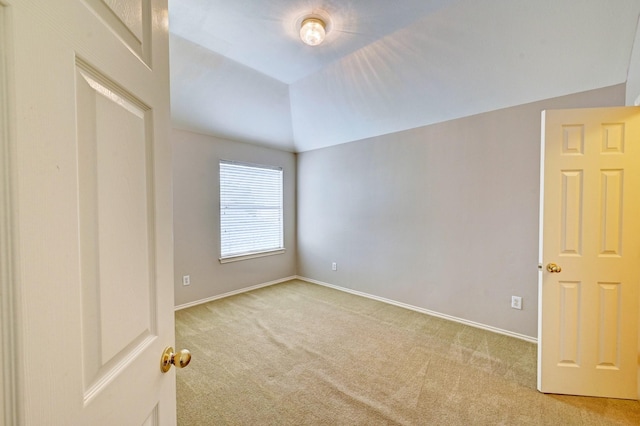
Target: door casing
[8, 368]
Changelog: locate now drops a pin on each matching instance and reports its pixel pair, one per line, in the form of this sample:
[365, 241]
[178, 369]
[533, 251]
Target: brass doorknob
[552, 267]
[169, 357]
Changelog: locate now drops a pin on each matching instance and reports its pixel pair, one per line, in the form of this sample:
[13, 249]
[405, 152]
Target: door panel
[93, 185]
[588, 343]
[116, 232]
[571, 226]
[569, 324]
[131, 21]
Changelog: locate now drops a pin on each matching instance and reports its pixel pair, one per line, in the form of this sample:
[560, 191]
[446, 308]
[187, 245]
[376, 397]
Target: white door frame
[8, 325]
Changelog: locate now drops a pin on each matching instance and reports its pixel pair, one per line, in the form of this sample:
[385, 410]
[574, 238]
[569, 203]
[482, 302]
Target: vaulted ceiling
[240, 71]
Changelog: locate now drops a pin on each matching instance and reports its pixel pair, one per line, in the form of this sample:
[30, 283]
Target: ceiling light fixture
[313, 31]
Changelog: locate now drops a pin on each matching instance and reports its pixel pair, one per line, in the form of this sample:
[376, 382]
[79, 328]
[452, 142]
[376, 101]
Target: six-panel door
[588, 339]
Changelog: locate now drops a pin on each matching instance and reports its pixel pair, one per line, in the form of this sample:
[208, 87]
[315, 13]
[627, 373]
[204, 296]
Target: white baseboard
[233, 293]
[424, 311]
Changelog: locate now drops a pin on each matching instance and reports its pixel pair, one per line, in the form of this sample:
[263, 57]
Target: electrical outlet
[334, 266]
[186, 280]
[516, 302]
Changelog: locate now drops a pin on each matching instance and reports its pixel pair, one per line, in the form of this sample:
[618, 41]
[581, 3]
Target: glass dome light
[312, 31]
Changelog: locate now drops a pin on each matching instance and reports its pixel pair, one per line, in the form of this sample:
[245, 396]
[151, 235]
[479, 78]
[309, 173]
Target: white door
[590, 229]
[88, 115]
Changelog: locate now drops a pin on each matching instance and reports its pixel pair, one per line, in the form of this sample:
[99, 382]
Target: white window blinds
[250, 209]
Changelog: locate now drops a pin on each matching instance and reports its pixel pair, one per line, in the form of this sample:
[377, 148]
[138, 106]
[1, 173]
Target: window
[250, 211]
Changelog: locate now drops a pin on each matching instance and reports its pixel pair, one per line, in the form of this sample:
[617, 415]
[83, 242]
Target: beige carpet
[298, 353]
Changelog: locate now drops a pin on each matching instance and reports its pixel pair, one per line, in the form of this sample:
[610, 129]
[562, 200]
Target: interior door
[89, 114]
[590, 252]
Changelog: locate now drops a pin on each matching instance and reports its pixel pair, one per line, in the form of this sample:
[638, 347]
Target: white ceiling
[240, 71]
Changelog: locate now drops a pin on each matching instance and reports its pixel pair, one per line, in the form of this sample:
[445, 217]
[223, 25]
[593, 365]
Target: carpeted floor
[298, 353]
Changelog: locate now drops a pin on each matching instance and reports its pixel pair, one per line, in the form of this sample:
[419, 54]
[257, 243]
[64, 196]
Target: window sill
[240, 257]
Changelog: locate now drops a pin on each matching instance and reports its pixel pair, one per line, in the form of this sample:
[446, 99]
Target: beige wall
[443, 217]
[197, 217]
[633, 76]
